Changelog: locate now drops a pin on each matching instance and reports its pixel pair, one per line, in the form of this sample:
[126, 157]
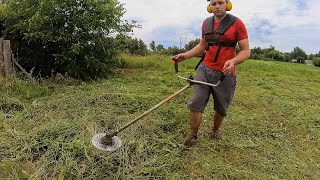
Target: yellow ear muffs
[229, 7]
[209, 9]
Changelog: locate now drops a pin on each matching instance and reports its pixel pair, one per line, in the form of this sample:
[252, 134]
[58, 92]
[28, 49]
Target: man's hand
[228, 67]
[179, 57]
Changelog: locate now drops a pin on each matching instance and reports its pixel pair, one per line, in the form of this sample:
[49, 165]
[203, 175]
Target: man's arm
[198, 49]
[243, 55]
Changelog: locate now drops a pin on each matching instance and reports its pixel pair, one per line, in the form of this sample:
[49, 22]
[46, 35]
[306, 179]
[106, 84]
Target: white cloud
[292, 22]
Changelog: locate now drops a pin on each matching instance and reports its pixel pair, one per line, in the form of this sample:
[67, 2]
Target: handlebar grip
[176, 67]
[222, 77]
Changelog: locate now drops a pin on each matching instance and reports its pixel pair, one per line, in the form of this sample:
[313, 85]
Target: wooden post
[1, 58]
[7, 56]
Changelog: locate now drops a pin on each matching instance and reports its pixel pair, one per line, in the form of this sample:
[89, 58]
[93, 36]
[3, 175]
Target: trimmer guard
[116, 142]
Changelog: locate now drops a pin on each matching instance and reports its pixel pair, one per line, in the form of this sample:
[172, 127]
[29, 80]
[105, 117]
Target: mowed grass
[272, 130]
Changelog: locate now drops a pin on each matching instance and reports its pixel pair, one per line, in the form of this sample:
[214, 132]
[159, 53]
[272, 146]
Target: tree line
[297, 55]
[84, 38]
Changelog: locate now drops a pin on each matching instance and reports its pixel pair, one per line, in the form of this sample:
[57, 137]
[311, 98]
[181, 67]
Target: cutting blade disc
[96, 142]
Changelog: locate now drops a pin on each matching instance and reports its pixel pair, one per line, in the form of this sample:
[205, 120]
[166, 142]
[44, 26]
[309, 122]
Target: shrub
[256, 56]
[64, 36]
[268, 59]
[300, 60]
[316, 61]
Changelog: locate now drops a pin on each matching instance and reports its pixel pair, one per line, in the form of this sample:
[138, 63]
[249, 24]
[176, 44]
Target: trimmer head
[105, 142]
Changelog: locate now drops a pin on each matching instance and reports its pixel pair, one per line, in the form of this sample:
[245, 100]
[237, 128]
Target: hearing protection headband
[229, 6]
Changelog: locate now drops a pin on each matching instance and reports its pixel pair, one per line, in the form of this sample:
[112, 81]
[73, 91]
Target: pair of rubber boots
[192, 140]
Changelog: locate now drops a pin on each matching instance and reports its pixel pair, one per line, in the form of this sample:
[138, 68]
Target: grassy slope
[272, 130]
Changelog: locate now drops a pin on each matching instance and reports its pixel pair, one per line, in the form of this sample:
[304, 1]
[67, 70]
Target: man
[220, 58]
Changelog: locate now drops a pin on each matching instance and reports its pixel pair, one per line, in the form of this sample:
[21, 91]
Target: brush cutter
[110, 142]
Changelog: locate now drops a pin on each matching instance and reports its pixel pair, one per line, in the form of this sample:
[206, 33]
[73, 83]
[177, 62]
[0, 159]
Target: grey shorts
[222, 94]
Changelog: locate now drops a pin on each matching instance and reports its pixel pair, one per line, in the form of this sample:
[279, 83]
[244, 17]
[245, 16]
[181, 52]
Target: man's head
[219, 7]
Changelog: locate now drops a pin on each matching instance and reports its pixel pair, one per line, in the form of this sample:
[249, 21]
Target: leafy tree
[256, 50]
[256, 53]
[173, 50]
[274, 55]
[298, 52]
[152, 45]
[271, 48]
[159, 47]
[285, 57]
[317, 54]
[311, 56]
[137, 47]
[142, 48]
[65, 36]
[133, 46]
[270, 54]
[192, 44]
[256, 56]
[122, 42]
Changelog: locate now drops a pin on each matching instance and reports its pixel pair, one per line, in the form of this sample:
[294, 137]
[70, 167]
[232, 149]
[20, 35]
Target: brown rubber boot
[215, 134]
[191, 140]
[195, 120]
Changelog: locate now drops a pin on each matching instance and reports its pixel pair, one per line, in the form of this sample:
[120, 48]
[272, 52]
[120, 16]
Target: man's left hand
[228, 67]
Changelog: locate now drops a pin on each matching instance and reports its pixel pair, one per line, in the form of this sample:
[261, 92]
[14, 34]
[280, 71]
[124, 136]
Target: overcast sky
[282, 23]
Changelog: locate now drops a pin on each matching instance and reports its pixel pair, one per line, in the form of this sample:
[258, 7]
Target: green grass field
[272, 130]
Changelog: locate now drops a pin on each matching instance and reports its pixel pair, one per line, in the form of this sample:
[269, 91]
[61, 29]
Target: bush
[284, 58]
[64, 36]
[268, 59]
[256, 56]
[316, 61]
[300, 60]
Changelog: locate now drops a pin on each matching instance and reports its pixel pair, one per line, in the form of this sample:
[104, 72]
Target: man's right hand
[179, 57]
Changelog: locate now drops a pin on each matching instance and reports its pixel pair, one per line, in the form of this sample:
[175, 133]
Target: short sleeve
[202, 36]
[242, 32]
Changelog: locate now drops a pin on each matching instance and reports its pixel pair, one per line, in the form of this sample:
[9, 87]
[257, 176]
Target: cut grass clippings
[271, 132]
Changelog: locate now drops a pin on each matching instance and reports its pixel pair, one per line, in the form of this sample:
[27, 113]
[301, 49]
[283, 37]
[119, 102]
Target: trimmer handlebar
[222, 77]
[176, 69]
